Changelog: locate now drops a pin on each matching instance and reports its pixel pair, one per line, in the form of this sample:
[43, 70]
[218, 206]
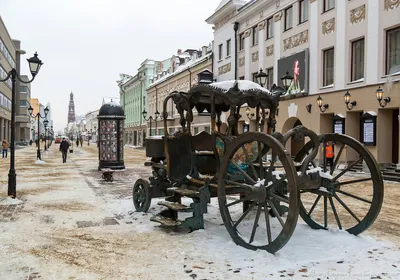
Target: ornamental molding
[254, 56]
[358, 14]
[295, 40]
[224, 21]
[328, 26]
[247, 33]
[241, 62]
[278, 16]
[269, 50]
[261, 25]
[224, 69]
[391, 4]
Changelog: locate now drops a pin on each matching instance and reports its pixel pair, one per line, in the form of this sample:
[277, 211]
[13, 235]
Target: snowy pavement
[68, 223]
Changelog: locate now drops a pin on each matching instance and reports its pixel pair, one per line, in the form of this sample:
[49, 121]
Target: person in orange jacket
[329, 154]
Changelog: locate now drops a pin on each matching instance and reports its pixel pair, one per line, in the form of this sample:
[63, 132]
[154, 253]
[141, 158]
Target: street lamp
[38, 116]
[379, 97]
[286, 80]
[349, 104]
[320, 105]
[261, 78]
[34, 65]
[45, 123]
[157, 114]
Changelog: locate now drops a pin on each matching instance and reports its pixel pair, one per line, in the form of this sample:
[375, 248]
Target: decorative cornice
[269, 50]
[278, 16]
[254, 56]
[357, 14]
[328, 26]
[247, 33]
[224, 21]
[224, 69]
[261, 25]
[241, 61]
[295, 40]
[391, 4]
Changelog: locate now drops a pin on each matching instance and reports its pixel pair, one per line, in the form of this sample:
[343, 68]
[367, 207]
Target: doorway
[135, 138]
[395, 137]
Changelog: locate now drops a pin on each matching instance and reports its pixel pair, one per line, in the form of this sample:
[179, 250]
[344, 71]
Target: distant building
[71, 109]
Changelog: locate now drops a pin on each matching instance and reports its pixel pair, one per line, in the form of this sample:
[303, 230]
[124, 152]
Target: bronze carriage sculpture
[261, 190]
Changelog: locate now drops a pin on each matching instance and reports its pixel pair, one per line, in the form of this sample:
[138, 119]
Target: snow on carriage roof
[243, 85]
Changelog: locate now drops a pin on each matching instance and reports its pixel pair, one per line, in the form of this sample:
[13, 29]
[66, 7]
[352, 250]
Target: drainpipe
[190, 78]
[212, 61]
[236, 27]
[156, 109]
[141, 105]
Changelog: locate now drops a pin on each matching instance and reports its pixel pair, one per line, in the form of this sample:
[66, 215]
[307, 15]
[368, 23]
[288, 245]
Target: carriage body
[253, 168]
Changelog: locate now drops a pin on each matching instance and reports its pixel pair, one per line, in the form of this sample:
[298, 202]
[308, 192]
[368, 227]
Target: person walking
[5, 147]
[81, 140]
[64, 146]
[330, 155]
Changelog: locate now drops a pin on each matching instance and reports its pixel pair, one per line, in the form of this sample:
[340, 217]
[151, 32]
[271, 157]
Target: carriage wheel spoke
[315, 204]
[277, 182]
[276, 212]
[280, 197]
[244, 214]
[325, 212]
[243, 172]
[246, 198]
[250, 162]
[260, 161]
[347, 208]
[267, 223]
[253, 233]
[354, 196]
[347, 169]
[335, 213]
[354, 181]
[337, 158]
[244, 185]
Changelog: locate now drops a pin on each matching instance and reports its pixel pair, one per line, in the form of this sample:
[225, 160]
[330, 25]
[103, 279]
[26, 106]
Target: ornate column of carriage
[253, 172]
[110, 130]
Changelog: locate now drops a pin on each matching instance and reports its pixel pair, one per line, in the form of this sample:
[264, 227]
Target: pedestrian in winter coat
[81, 140]
[5, 146]
[64, 146]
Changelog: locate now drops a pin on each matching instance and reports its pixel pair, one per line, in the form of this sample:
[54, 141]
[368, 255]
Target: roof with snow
[111, 99]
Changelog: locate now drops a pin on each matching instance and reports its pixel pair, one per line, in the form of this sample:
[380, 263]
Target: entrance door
[135, 138]
[395, 137]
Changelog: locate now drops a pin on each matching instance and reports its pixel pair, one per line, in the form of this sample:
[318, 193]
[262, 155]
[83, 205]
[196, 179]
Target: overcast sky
[85, 44]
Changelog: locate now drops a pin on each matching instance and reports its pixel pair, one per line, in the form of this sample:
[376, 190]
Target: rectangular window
[270, 28]
[220, 52]
[241, 41]
[241, 78]
[255, 35]
[289, 18]
[328, 70]
[254, 77]
[393, 51]
[329, 5]
[228, 47]
[196, 130]
[270, 79]
[357, 60]
[303, 10]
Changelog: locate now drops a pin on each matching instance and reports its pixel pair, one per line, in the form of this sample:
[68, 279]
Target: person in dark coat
[64, 146]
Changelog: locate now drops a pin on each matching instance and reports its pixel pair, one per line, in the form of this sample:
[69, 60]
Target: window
[220, 52]
[228, 47]
[24, 103]
[241, 78]
[207, 129]
[270, 78]
[270, 28]
[303, 10]
[289, 18]
[328, 70]
[241, 41]
[329, 5]
[357, 60]
[254, 77]
[255, 35]
[393, 51]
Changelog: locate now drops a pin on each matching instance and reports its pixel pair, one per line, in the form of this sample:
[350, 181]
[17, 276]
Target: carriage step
[168, 222]
[176, 206]
[184, 192]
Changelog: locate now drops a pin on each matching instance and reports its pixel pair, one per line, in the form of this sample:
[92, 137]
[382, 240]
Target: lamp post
[379, 97]
[287, 80]
[349, 105]
[157, 114]
[34, 65]
[38, 116]
[45, 123]
[320, 105]
[261, 78]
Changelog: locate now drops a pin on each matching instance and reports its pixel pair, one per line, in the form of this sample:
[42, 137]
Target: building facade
[23, 125]
[91, 125]
[71, 108]
[329, 47]
[180, 76]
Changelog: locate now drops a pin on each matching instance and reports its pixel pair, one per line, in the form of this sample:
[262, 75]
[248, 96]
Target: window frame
[228, 47]
[353, 56]
[286, 13]
[254, 37]
[325, 8]
[270, 81]
[324, 83]
[220, 53]
[387, 58]
[302, 12]
[272, 27]
[241, 41]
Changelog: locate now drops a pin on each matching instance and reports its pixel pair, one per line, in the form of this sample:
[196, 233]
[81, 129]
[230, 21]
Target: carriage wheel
[265, 186]
[141, 195]
[354, 198]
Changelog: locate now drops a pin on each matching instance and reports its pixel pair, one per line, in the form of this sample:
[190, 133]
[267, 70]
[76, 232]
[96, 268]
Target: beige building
[181, 76]
[329, 47]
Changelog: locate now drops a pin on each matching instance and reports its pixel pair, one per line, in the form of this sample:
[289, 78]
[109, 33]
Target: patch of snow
[243, 85]
[277, 174]
[10, 201]
[372, 113]
[259, 183]
[40, 161]
[325, 175]
[323, 189]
